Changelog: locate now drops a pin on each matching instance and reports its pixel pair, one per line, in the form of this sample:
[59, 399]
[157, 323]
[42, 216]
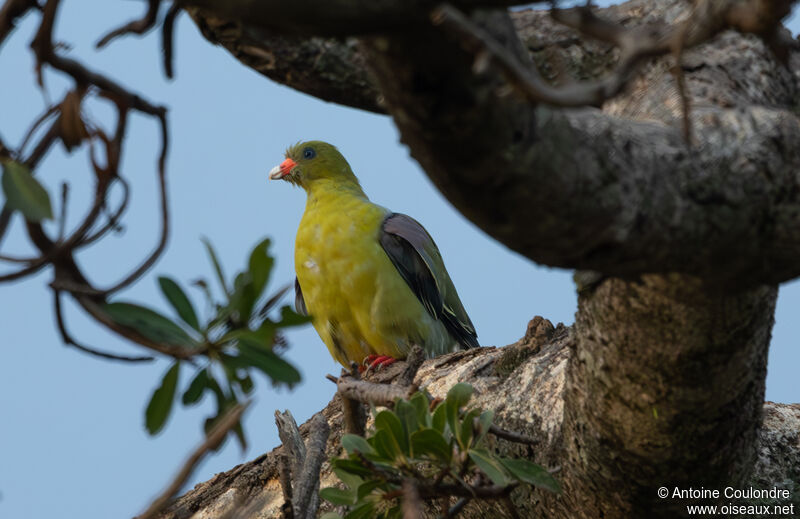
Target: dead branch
[69, 340]
[139, 26]
[167, 38]
[212, 441]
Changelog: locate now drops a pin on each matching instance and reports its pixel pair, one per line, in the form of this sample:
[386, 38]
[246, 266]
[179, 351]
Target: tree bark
[660, 365]
[529, 385]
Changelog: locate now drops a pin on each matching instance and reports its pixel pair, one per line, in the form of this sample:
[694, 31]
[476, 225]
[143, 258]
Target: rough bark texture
[659, 365]
[526, 384]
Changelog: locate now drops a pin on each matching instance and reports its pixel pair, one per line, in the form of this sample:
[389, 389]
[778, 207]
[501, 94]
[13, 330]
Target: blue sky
[72, 442]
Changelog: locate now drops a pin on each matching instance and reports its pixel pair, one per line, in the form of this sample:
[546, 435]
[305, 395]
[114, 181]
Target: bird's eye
[309, 153]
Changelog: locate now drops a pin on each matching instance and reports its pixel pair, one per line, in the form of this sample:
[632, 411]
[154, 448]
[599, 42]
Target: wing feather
[417, 259]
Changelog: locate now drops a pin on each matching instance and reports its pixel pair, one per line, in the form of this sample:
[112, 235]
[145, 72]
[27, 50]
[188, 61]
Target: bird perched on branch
[372, 280]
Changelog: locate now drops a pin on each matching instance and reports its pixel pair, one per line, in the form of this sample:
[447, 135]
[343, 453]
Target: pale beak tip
[275, 173]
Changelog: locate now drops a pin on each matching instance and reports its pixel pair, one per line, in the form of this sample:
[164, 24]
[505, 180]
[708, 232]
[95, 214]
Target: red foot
[377, 361]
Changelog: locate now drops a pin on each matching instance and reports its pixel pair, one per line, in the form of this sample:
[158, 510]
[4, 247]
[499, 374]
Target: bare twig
[167, 38]
[353, 413]
[68, 339]
[414, 360]
[285, 478]
[9, 13]
[458, 507]
[370, 392]
[525, 79]
[306, 500]
[292, 442]
[512, 436]
[140, 26]
[164, 209]
[212, 441]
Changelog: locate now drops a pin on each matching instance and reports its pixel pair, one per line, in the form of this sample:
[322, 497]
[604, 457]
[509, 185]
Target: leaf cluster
[238, 338]
[441, 448]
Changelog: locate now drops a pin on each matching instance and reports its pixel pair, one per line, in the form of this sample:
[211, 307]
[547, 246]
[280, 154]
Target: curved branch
[69, 340]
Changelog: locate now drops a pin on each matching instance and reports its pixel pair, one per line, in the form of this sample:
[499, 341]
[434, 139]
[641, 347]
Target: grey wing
[417, 259]
[299, 302]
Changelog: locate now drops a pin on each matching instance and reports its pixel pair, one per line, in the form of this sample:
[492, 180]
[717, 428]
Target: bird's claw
[371, 362]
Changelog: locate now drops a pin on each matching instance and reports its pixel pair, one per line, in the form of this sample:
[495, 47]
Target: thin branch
[306, 500]
[168, 39]
[139, 26]
[69, 340]
[414, 361]
[285, 478]
[354, 415]
[10, 12]
[370, 392]
[212, 441]
[513, 436]
[525, 79]
[292, 442]
[458, 507]
[164, 209]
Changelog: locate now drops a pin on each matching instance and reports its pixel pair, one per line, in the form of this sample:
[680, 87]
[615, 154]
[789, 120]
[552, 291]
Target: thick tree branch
[530, 397]
[332, 17]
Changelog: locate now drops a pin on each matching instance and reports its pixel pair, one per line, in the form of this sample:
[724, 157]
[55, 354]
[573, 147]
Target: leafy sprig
[442, 450]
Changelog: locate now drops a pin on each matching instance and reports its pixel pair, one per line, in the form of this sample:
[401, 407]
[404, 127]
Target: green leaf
[217, 267]
[350, 480]
[385, 446]
[330, 515]
[149, 323]
[177, 298]
[24, 193]
[353, 443]
[439, 420]
[243, 298]
[195, 390]
[457, 397]
[260, 266]
[467, 428]
[365, 511]
[420, 402]
[532, 473]
[490, 466]
[291, 318]
[459, 394]
[354, 467]
[485, 423]
[407, 415]
[389, 422]
[268, 362]
[366, 488]
[337, 496]
[431, 442]
[246, 383]
[161, 402]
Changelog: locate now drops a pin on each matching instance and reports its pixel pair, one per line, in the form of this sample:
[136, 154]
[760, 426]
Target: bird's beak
[280, 171]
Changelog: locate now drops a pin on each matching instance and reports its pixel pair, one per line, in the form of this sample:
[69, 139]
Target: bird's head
[314, 162]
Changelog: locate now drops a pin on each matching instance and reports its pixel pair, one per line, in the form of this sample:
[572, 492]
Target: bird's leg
[375, 361]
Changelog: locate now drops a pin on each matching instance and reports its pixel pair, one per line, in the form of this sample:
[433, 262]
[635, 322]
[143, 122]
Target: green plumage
[374, 281]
